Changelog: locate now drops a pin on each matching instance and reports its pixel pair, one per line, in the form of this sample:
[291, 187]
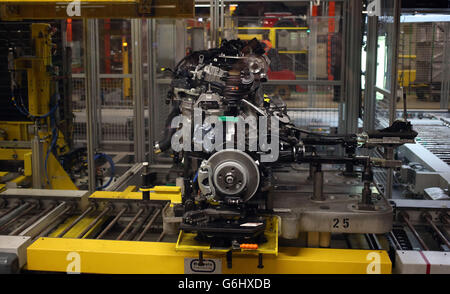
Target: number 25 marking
[345, 223]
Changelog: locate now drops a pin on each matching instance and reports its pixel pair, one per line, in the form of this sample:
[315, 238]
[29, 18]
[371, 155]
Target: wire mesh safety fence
[115, 105]
[421, 62]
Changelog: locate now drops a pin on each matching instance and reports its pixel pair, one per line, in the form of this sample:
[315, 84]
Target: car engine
[231, 139]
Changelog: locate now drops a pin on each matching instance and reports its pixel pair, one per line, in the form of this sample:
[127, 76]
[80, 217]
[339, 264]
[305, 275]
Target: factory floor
[413, 102]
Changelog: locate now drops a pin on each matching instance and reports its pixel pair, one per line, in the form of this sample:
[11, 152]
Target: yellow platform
[129, 257]
[172, 193]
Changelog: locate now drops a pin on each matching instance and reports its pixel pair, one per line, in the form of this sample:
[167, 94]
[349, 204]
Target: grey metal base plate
[340, 211]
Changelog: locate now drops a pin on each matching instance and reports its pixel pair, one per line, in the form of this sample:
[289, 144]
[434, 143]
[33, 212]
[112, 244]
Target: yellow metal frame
[293, 52]
[172, 193]
[19, 180]
[57, 9]
[125, 68]
[250, 36]
[58, 177]
[79, 227]
[406, 77]
[13, 153]
[130, 257]
[138, 257]
[27, 166]
[16, 130]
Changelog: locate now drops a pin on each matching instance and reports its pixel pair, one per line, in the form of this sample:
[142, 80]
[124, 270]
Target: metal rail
[148, 225]
[395, 241]
[130, 224]
[31, 221]
[112, 223]
[92, 224]
[8, 210]
[77, 220]
[411, 227]
[136, 228]
[47, 220]
[53, 224]
[18, 216]
[436, 229]
[17, 210]
[161, 237]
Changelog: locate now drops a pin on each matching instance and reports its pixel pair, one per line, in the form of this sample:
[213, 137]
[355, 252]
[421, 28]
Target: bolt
[229, 179]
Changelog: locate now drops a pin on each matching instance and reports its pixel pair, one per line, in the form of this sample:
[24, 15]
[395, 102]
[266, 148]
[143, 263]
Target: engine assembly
[238, 147]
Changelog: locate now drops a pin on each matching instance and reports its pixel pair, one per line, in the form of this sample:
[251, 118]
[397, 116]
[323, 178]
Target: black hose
[164, 144]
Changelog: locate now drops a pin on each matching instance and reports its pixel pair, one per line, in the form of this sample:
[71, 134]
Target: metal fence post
[91, 69]
[138, 91]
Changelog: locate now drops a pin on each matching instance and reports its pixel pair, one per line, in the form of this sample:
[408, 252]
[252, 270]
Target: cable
[111, 163]
[50, 148]
[54, 136]
[195, 177]
[22, 109]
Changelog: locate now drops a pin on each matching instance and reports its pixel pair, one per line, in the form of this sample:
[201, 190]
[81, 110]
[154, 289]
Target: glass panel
[381, 110]
[386, 34]
[385, 51]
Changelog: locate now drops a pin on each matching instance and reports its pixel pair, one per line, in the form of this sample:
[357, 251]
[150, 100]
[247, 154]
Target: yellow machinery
[125, 64]
[119, 232]
[75, 233]
[97, 234]
[28, 141]
[119, 257]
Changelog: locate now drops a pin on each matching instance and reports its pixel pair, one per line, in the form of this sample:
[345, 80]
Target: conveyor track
[436, 139]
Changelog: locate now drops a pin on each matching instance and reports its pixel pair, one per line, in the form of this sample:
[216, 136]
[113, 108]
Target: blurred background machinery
[105, 83]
